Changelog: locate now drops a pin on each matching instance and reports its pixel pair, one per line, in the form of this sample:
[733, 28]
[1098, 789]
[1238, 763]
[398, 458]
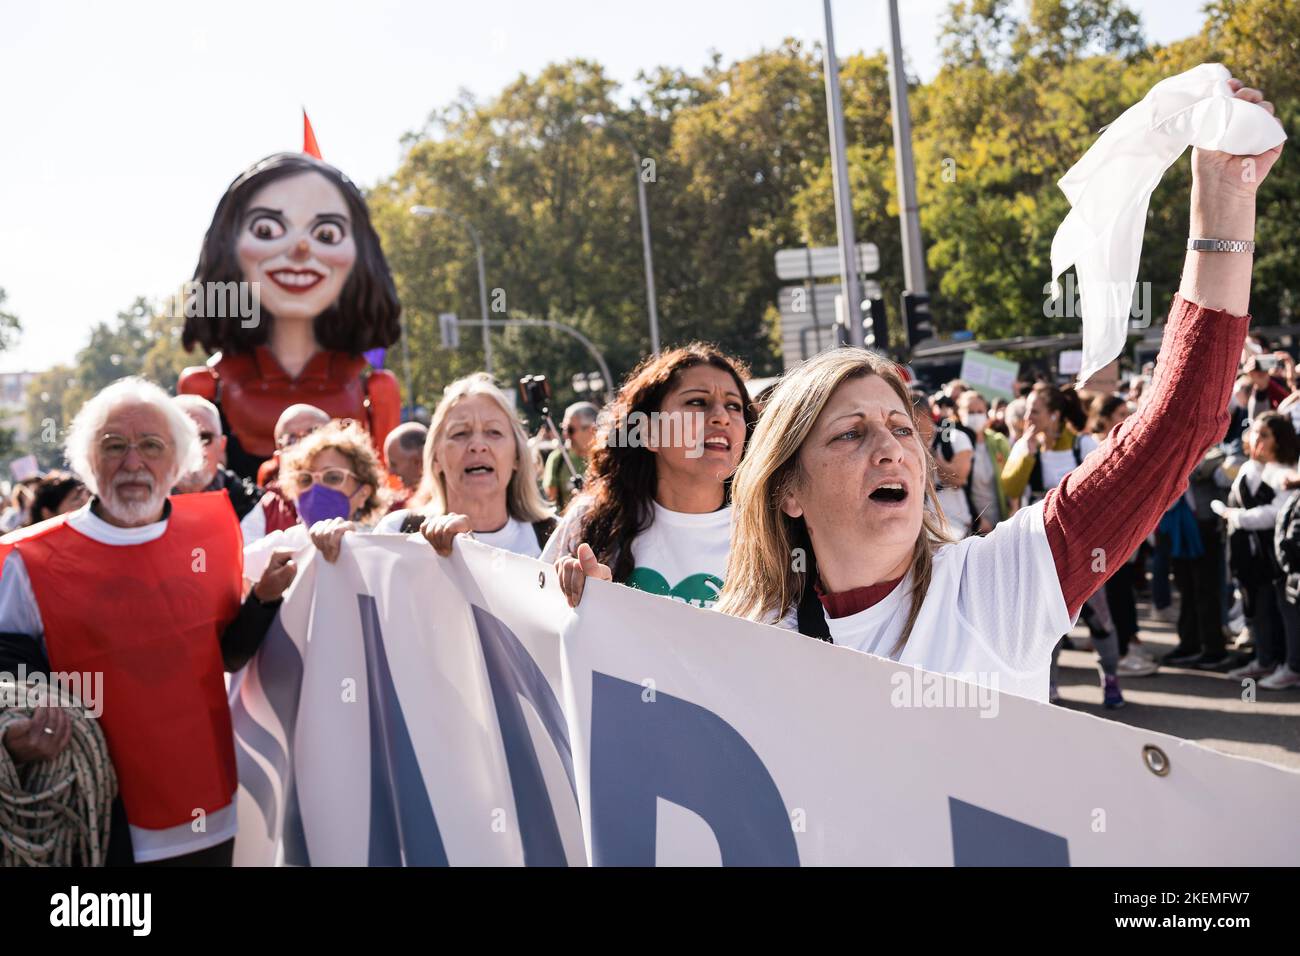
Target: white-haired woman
[835, 468]
[479, 476]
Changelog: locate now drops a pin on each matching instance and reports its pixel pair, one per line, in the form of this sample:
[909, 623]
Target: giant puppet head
[300, 230]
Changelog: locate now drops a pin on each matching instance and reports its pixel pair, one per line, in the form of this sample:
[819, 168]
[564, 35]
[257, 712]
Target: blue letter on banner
[983, 838]
[402, 824]
[690, 756]
[513, 674]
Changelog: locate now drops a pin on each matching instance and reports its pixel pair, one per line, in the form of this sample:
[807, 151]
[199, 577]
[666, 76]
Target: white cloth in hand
[1110, 187]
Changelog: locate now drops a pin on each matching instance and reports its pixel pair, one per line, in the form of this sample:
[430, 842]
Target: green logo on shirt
[700, 590]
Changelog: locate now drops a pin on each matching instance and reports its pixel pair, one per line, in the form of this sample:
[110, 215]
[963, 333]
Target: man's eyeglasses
[329, 477]
[151, 447]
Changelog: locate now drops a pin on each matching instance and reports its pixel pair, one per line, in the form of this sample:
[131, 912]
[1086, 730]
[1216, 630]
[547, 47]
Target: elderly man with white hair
[212, 474]
[144, 589]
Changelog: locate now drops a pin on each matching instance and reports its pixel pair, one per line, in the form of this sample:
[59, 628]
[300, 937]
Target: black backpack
[943, 442]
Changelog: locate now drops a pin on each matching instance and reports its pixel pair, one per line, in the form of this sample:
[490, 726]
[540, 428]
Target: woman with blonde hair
[479, 476]
[829, 501]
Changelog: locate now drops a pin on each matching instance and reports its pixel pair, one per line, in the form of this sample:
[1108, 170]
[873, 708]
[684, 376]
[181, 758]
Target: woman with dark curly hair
[290, 289]
[656, 514]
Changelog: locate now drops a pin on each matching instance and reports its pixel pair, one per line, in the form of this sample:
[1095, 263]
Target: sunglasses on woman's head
[329, 477]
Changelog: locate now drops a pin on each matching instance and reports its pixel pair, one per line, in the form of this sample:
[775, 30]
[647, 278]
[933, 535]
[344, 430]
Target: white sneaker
[1251, 670]
[1141, 650]
[1281, 679]
[1133, 665]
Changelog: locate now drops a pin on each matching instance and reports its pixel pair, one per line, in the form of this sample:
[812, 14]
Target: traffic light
[875, 325]
[917, 319]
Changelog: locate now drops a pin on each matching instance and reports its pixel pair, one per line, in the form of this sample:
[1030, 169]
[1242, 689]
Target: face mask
[975, 421]
[318, 503]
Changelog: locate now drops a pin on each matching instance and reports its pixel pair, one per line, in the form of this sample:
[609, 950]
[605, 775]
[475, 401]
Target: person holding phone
[1268, 391]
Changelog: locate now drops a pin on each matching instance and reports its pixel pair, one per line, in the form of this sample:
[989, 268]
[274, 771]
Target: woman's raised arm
[1104, 508]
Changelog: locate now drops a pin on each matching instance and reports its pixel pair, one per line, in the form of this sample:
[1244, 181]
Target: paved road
[1195, 705]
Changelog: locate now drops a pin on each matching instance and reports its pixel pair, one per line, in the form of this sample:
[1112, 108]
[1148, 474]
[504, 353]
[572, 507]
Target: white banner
[407, 709]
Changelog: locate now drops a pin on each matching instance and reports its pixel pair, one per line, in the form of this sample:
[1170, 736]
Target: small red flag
[309, 138]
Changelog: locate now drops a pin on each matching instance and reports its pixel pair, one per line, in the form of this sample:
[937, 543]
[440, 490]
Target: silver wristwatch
[1221, 245]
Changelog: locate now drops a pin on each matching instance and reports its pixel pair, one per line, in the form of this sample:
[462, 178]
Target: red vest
[149, 617]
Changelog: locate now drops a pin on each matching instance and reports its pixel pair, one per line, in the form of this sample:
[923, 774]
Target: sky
[121, 124]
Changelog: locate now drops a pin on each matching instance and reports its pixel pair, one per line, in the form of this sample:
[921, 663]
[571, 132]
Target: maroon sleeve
[1103, 509]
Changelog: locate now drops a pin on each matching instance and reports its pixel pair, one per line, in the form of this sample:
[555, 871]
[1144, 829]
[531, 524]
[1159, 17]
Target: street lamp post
[840, 186]
[426, 212]
[909, 218]
[598, 122]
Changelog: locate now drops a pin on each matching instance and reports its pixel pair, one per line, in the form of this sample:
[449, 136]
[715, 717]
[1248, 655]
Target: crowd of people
[844, 504]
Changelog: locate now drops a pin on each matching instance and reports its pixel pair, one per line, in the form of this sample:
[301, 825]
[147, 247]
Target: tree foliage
[143, 339]
[10, 327]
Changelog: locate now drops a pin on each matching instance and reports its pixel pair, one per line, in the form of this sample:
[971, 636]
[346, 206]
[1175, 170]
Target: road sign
[449, 330]
[824, 261]
[808, 318]
[807, 321]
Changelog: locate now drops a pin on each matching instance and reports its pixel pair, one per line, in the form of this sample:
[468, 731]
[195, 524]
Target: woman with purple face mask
[336, 482]
[334, 475]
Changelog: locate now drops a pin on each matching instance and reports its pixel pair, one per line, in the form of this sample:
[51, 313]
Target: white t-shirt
[953, 500]
[517, 537]
[992, 615]
[1058, 464]
[19, 614]
[253, 525]
[682, 556]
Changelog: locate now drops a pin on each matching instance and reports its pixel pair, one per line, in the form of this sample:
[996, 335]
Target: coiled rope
[55, 812]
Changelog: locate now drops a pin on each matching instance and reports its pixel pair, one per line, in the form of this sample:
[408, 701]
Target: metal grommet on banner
[541, 579]
[1156, 760]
